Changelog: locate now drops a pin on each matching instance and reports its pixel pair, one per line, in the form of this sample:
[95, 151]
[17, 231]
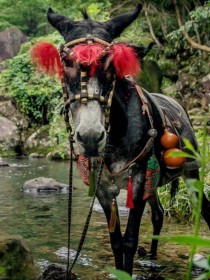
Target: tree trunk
[151, 28]
[193, 43]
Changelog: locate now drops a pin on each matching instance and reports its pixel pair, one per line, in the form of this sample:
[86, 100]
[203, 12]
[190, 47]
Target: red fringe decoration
[129, 202]
[89, 55]
[46, 55]
[125, 60]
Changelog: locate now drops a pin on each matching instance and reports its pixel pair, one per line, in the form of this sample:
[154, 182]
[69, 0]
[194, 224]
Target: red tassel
[129, 202]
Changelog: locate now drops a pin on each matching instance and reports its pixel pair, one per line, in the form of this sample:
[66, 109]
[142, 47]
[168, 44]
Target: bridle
[84, 96]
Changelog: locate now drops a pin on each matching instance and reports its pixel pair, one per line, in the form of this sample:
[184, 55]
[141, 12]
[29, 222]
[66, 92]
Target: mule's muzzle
[91, 144]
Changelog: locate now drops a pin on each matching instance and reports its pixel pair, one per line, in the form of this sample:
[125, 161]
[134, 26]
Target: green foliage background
[39, 97]
[34, 92]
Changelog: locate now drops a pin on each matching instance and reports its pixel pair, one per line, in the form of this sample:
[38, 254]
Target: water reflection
[42, 221]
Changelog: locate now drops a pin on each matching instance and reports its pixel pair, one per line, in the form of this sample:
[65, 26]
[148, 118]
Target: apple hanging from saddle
[169, 142]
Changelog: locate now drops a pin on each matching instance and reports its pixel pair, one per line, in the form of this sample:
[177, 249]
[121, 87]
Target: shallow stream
[42, 221]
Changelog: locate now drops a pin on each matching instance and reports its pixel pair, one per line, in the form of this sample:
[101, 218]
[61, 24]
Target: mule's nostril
[91, 138]
[101, 137]
[79, 137]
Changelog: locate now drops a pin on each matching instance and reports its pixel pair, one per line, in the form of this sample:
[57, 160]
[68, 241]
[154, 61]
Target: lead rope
[70, 204]
[85, 226]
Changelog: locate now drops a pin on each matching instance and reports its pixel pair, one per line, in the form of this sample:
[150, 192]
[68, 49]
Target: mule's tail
[174, 190]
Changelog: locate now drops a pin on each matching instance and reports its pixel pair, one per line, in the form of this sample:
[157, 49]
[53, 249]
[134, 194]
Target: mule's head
[90, 68]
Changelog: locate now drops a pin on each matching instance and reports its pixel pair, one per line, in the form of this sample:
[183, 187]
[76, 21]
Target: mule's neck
[129, 126]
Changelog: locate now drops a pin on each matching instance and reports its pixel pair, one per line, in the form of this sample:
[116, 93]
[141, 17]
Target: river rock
[56, 155]
[16, 261]
[8, 109]
[10, 40]
[42, 184]
[57, 272]
[38, 139]
[9, 134]
[36, 155]
[3, 164]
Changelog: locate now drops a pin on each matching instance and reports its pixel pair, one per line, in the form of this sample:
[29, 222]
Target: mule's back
[177, 119]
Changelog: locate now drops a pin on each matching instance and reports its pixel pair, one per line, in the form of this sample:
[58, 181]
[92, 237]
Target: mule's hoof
[141, 251]
[153, 256]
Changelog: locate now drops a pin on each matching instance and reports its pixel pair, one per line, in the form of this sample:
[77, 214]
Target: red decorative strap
[149, 187]
[83, 166]
[129, 202]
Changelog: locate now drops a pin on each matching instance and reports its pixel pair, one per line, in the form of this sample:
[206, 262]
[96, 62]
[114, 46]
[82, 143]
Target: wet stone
[42, 184]
[3, 164]
[57, 272]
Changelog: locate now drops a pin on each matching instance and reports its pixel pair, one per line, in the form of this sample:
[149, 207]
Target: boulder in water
[42, 184]
[3, 164]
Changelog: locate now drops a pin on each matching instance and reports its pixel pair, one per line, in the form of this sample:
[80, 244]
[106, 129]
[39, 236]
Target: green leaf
[2, 271]
[190, 147]
[121, 275]
[186, 240]
[181, 154]
[203, 276]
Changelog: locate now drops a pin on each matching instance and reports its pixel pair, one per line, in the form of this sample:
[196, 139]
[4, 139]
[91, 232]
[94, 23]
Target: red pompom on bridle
[125, 60]
[47, 57]
[123, 57]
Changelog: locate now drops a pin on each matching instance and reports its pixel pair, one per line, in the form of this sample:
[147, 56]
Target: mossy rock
[151, 76]
[16, 262]
[7, 153]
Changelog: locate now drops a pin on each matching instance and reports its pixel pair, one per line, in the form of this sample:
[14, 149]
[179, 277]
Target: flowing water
[41, 219]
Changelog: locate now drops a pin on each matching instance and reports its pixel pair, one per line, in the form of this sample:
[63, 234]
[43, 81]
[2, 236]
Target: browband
[89, 38]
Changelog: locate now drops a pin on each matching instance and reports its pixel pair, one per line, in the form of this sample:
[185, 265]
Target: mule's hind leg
[174, 190]
[157, 221]
[205, 210]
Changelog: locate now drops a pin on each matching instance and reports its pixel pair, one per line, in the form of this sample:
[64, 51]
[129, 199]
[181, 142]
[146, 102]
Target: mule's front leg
[130, 241]
[115, 236]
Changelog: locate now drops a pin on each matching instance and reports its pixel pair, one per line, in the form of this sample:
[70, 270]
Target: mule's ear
[116, 25]
[61, 23]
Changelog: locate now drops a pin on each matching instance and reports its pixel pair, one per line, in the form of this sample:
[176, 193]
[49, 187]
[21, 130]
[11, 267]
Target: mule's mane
[85, 14]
